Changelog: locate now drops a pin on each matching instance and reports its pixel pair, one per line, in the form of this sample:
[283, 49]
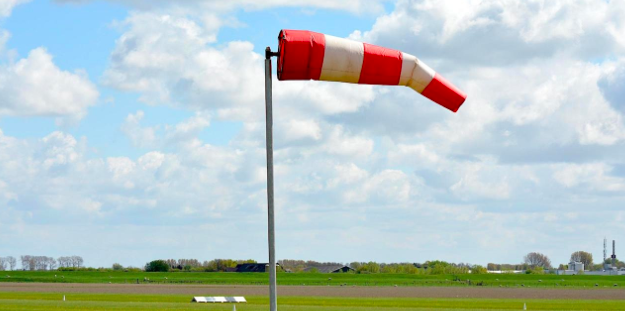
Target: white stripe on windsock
[414, 73]
[342, 60]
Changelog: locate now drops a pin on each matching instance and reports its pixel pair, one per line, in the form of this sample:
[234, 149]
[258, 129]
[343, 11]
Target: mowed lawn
[53, 301]
[318, 279]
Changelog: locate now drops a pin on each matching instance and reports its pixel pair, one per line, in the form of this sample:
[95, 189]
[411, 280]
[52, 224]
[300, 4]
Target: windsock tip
[444, 93]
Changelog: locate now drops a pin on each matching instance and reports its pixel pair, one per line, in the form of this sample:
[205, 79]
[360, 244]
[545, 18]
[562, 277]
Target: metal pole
[273, 295]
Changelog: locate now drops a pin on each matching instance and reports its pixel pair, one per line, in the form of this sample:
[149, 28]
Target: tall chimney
[613, 254]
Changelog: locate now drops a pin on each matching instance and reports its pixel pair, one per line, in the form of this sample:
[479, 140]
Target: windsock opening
[300, 55]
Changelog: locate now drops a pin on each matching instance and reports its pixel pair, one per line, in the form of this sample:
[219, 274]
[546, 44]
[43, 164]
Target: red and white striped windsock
[307, 55]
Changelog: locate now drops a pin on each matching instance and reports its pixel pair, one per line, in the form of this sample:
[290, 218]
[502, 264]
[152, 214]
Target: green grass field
[496, 280]
[100, 301]
[48, 301]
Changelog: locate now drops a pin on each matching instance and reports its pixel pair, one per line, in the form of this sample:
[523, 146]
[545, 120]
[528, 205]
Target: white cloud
[4, 37]
[594, 176]
[59, 148]
[168, 60]
[6, 6]
[500, 32]
[612, 85]
[152, 160]
[417, 155]
[139, 136]
[347, 174]
[340, 143]
[355, 6]
[35, 86]
[479, 181]
[120, 166]
[5, 194]
[161, 136]
[388, 186]
[91, 206]
[188, 129]
[297, 130]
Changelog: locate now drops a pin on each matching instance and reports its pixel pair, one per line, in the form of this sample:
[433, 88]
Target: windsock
[307, 55]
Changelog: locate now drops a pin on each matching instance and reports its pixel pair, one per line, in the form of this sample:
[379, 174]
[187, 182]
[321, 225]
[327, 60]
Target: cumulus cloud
[612, 85]
[35, 86]
[595, 176]
[161, 136]
[139, 136]
[167, 59]
[4, 37]
[7, 6]
[500, 32]
[355, 6]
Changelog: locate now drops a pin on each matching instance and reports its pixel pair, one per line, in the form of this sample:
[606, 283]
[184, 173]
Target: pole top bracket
[269, 53]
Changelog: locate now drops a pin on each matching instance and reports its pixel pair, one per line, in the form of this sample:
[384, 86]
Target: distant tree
[3, 264]
[117, 267]
[537, 260]
[70, 262]
[157, 266]
[535, 270]
[583, 257]
[173, 264]
[62, 262]
[28, 262]
[370, 267]
[399, 268]
[355, 265]
[76, 261]
[12, 262]
[194, 263]
[477, 269]
[562, 267]
[33, 263]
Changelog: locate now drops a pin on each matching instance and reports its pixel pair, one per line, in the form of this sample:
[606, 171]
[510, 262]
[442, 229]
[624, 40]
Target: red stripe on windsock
[380, 66]
[301, 55]
[444, 93]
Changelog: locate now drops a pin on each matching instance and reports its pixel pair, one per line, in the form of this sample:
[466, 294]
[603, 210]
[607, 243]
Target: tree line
[7, 263]
[194, 265]
[534, 262]
[226, 265]
[300, 265]
[40, 263]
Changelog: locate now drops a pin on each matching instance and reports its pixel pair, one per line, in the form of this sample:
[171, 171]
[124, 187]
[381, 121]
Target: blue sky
[133, 130]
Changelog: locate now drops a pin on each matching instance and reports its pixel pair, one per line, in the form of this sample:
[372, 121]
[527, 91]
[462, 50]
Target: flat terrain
[320, 291]
[107, 290]
[85, 301]
[319, 279]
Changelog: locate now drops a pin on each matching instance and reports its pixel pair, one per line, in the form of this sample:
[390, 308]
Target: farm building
[330, 269]
[254, 267]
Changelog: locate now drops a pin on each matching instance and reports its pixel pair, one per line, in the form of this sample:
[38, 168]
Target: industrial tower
[613, 254]
[605, 251]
